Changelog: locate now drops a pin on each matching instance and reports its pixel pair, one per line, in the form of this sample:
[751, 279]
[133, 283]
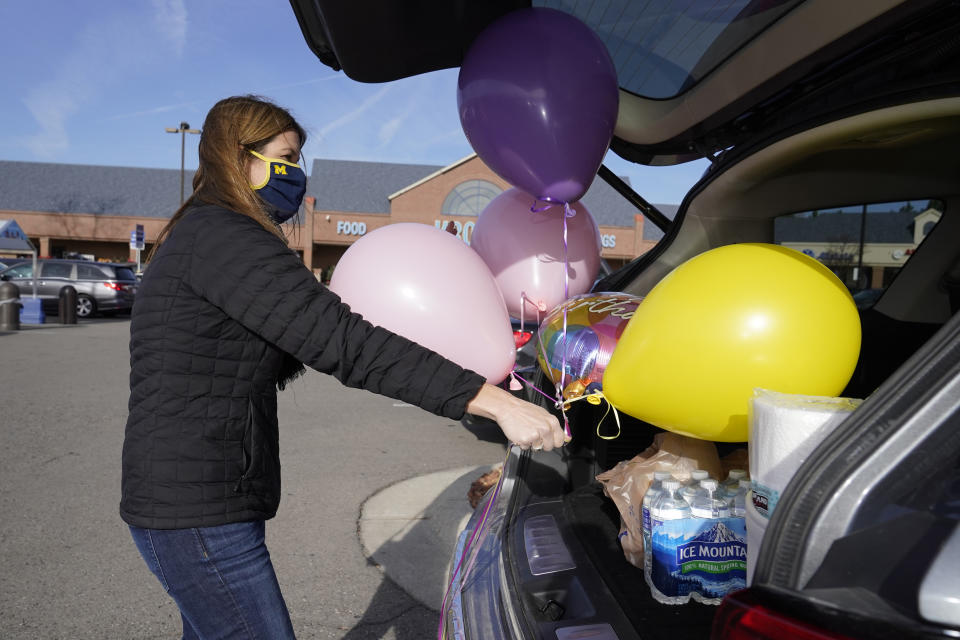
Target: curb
[410, 529]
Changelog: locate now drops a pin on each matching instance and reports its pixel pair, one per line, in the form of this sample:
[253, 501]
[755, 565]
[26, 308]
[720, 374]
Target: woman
[224, 317]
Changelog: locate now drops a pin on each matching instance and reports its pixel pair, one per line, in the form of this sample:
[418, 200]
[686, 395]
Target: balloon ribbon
[594, 398]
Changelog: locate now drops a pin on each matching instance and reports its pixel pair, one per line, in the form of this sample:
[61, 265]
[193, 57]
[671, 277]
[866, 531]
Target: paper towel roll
[783, 430]
[756, 527]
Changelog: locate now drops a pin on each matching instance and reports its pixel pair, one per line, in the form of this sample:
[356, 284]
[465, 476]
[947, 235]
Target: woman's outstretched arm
[524, 423]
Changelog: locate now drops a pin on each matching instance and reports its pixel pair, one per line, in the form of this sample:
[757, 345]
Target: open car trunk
[595, 521]
[906, 143]
[602, 585]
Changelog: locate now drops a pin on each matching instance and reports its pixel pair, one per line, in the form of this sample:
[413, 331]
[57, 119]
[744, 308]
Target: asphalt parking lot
[70, 569]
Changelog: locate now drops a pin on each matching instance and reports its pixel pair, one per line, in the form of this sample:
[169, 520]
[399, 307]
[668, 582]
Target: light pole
[183, 130]
[863, 231]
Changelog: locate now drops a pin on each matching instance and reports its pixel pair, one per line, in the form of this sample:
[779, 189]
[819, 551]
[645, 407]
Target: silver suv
[101, 287]
[832, 128]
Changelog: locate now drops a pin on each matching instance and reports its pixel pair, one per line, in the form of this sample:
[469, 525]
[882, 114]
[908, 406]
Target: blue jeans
[221, 578]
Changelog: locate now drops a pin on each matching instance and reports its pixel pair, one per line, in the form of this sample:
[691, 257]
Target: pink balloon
[524, 250]
[428, 286]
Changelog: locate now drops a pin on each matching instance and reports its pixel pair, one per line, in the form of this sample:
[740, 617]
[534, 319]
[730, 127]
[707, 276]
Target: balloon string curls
[568, 211]
[595, 398]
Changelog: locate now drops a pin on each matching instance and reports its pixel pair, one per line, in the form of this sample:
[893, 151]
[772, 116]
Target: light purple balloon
[427, 285]
[524, 250]
[538, 97]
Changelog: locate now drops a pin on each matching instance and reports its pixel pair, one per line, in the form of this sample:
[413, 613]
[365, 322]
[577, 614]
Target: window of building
[866, 245]
[469, 198]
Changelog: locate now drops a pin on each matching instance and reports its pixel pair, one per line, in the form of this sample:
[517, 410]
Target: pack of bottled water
[655, 489]
[698, 545]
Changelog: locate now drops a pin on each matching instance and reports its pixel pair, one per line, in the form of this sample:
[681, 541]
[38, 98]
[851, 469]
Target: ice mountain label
[716, 550]
[703, 558]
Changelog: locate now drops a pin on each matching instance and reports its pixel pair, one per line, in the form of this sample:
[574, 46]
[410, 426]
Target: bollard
[9, 307]
[68, 305]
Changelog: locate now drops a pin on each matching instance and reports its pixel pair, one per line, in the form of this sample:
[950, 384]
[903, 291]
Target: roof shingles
[337, 185]
[880, 226]
[90, 189]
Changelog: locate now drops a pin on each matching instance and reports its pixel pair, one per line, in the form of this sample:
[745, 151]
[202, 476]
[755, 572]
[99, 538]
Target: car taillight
[521, 338]
[116, 286]
[741, 617]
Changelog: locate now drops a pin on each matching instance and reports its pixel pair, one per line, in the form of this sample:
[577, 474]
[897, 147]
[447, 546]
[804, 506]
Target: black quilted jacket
[220, 307]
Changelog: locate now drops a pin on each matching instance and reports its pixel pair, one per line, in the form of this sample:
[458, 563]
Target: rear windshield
[125, 273]
[661, 48]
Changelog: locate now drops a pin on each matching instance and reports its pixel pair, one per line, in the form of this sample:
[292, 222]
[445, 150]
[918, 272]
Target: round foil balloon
[595, 322]
[430, 287]
[724, 323]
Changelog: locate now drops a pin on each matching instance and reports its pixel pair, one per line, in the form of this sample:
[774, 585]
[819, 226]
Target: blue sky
[98, 82]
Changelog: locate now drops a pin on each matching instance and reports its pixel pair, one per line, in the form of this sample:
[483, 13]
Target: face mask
[283, 189]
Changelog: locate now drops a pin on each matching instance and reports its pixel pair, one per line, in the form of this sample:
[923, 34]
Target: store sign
[137, 238]
[345, 228]
[608, 241]
[463, 230]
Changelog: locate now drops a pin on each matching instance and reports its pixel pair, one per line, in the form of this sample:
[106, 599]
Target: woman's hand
[524, 423]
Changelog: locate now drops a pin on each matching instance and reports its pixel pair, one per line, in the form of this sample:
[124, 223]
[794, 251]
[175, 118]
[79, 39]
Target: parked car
[866, 298]
[525, 337]
[101, 287]
[800, 106]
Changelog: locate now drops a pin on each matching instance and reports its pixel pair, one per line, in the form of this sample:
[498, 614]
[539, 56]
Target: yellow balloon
[725, 322]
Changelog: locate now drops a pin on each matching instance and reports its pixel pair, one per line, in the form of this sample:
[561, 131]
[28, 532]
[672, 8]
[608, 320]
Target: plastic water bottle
[732, 483]
[711, 502]
[668, 514]
[710, 511]
[656, 487]
[739, 507]
[693, 486]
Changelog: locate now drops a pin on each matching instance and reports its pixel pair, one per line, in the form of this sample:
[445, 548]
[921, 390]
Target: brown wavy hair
[233, 127]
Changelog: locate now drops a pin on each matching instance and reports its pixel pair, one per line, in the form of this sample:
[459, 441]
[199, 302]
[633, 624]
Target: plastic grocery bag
[626, 483]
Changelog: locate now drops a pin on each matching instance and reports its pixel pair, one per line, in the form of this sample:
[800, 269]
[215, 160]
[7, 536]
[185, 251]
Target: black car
[804, 110]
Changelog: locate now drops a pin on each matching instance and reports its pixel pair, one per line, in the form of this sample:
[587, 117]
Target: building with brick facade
[71, 210]
[86, 210]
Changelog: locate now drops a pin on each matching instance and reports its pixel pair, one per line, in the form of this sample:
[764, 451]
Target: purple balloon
[538, 99]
